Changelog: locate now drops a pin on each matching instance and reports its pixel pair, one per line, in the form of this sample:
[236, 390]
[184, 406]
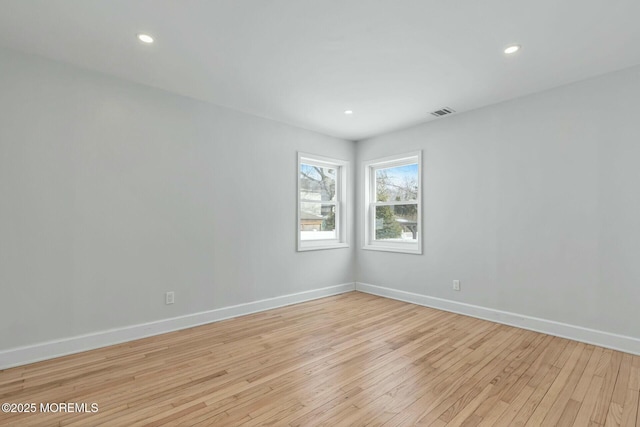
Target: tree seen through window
[398, 219]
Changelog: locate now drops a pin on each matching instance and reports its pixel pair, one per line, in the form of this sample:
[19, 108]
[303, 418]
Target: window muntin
[321, 202]
[392, 205]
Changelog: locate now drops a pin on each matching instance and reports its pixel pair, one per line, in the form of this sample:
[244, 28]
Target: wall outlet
[169, 298]
[456, 285]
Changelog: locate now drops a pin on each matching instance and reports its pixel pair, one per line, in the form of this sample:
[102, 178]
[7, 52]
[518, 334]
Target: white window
[392, 205]
[322, 211]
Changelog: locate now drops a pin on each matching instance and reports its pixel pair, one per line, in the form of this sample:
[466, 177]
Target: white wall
[112, 193]
[534, 204]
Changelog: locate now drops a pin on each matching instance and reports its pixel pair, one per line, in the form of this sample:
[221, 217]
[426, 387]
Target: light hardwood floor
[351, 359]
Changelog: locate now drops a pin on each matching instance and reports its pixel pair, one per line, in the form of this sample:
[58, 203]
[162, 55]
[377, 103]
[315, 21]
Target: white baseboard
[550, 327]
[48, 350]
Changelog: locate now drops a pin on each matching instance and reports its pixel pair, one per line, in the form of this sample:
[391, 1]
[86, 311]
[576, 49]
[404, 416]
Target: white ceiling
[304, 62]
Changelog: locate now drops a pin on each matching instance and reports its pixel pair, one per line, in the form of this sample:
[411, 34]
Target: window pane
[317, 221]
[397, 184]
[396, 223]
[317, 183]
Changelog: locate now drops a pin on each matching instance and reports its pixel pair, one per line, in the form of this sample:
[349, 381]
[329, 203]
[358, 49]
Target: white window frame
[369, 169]
[340, 203]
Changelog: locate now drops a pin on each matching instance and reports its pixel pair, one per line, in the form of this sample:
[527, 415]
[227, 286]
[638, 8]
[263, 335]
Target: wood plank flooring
[348, 360]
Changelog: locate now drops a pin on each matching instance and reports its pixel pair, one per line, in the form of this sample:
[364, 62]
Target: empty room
[320, 213]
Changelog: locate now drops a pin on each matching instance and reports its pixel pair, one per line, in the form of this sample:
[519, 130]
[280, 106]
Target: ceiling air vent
[443, 112]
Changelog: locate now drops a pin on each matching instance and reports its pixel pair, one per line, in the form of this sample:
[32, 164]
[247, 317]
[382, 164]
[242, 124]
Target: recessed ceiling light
[512, 49]
[145, 38]
[348, 112]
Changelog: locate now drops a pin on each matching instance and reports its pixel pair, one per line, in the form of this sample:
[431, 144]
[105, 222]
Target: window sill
[412, 249]
[307, 246]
